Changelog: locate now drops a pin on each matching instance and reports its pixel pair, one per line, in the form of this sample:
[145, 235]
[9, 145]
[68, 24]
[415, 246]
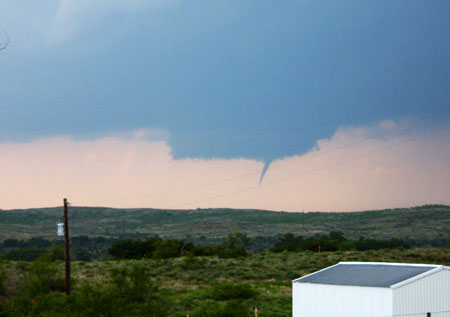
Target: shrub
[25, 254]
[227, 291]
[3, 278]
[134, 284]
[229, 309]
[56, 253]
[191, 262]
[43, 277]
[346, 246]
[10, 243]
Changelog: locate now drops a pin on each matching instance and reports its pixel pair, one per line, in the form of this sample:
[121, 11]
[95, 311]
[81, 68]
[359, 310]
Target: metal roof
[366, 274]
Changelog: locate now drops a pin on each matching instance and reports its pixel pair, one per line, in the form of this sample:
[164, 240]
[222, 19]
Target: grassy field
[423, 223]
[189, 280]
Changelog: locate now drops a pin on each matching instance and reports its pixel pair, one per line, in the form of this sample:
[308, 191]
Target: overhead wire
[226, 180]
[296, 175]
[231, 179]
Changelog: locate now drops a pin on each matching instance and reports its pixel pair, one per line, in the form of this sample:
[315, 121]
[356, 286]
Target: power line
[301, 159]
[298, 175]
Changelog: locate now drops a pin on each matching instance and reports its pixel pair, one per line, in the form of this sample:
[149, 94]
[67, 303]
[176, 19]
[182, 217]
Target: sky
[281, 105]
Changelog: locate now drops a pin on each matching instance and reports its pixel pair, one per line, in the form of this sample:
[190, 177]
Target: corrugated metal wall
[318, 300]
[428, 294]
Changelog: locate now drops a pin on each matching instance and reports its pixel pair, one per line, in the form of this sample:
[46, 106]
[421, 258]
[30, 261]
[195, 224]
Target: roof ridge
[392, 264]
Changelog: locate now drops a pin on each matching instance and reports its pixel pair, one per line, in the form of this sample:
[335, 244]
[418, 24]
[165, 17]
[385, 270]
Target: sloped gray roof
[366, 274]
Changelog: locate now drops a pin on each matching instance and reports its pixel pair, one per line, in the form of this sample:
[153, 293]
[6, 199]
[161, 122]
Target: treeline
[235, 246]
[335, 241]
[83, 248]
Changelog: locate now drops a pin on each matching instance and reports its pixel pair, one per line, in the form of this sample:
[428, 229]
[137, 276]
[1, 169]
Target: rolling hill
[424, 223]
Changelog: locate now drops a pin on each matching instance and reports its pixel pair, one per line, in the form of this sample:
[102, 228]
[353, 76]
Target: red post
[319, 248]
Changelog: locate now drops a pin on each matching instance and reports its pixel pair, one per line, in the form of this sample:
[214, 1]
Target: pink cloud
[349, 171]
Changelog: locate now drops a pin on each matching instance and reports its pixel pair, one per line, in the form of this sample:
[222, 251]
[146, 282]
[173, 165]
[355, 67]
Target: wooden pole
[66, 246]
[256, 312]
[303, 220]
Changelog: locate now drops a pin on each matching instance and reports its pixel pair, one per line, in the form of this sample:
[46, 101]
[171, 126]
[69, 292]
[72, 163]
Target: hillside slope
[423, 223]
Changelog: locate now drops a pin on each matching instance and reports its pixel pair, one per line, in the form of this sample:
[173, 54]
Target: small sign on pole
[60, 227]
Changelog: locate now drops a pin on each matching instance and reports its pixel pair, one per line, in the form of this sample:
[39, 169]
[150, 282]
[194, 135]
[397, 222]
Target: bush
[10, 243]
[125, 249]
[227, 291]
[3, 279]
[56, 253]
[364, 244]
[191, 262]
[168, 249]
[229, 309]
[129, 293]
[234, 252]
[43, 277]
[347, 246]
[25, 254]
[134, 284]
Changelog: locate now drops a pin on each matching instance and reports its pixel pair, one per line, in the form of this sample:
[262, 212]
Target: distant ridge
[423, 223]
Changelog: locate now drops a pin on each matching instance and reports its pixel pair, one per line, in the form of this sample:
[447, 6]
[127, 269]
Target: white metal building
[363, 289]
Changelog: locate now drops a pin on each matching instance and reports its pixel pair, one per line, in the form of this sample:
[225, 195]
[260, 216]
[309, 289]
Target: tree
[238, 239]
[337, 236]
[288, 242]
[10, 243]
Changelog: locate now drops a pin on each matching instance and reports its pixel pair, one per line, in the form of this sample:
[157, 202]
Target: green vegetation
[210, 285]
[419, 226]
[155, 248]
[333, 242]
[83, 248]
[217, 262]
[236, 245]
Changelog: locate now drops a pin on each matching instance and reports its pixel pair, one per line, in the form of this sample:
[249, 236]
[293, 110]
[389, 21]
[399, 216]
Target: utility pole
[66, 245]
[303, 220]
[123, 225]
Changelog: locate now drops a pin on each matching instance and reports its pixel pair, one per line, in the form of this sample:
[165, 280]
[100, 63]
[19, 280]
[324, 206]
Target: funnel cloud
[264, 171]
